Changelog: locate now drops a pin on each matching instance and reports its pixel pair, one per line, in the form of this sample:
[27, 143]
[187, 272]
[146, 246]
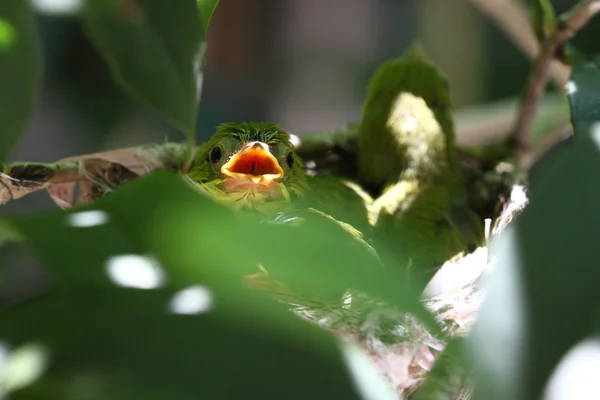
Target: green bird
[250, 166]
[407, 162]
[253, 166]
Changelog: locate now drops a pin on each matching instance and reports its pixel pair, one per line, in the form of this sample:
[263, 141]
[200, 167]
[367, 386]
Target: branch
[105, 170]
[512, 18]
[576, 19]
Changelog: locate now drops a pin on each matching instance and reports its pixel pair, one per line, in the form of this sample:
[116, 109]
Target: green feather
[230, 137]
[408, 162]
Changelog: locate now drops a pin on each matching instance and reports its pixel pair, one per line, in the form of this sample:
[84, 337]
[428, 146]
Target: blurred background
[303, 64]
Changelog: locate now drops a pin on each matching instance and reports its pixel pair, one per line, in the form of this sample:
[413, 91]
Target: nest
[401, 348]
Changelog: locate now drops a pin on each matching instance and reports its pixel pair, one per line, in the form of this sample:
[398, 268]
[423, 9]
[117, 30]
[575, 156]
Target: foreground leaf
[181, 227]
[81, 179]
[543, 295]
[206, 9]
[117, 323]
[582, 91]
[543, 19]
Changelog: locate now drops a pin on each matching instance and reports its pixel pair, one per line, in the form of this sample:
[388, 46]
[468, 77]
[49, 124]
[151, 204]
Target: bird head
[249, 166]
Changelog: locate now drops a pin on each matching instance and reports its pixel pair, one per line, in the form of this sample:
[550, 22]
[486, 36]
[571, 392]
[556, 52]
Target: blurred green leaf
[582, 90]
[160, 234]
[543, 19]
[197, 238]
[153, 50]
[206, 9]
[317, 256]
[19, 70]
[126, 344]
[111, 325]
[542, 297]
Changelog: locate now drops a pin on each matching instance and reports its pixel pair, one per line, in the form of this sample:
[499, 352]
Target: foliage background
[301, 63]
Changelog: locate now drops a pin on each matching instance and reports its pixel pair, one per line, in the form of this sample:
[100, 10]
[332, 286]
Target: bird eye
[215, 154]
[289, 160]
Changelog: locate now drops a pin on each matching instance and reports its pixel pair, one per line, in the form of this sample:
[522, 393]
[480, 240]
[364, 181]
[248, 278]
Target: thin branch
[512, 18]
[576, 19]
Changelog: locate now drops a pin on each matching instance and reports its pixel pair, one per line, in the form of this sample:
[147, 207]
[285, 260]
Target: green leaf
[450, 374]
[111, 326]
[317, 256]
[197, 238]
[582, 90]
[125, 344]
[153, 50]
[543, 19]
[542, 297]
[19, 71]
[206, 9]
[160, 234]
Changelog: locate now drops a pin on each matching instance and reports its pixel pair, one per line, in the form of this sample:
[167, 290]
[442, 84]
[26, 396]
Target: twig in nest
[511, 17]
[576, 19]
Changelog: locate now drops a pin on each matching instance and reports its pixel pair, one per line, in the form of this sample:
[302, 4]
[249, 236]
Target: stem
[575, 20]
[21, 178]
[512, 18]
[189, 151]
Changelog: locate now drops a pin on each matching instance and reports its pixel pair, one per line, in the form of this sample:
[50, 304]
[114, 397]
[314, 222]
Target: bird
[407, 163]
[250, 166]
[253, 166]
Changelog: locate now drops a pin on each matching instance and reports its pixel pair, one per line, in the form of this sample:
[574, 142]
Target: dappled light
[576, 376]
[135, 271]
[571, 87]
[7, 35]
[57, 6]
[192, 300]
[21, 366]
[86, 219]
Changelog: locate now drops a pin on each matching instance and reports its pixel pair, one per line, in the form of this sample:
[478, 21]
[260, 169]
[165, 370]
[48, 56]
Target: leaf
[542, 297]
[543, 19]
[153, 50]
[107, 170]
[317, 256]
[206, 9]
[582, 90]
[19, 71]
[80, 179]
[181, 227]
[128, 344]
[113, 325]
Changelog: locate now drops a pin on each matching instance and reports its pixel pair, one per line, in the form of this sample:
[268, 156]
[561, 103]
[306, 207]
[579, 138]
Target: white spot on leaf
[295, 140]
[86, 219]
[135, 271]
[192, 300]
[22, 366]
[576, 376]
[570, 87]
[57, 6]
[595, 133]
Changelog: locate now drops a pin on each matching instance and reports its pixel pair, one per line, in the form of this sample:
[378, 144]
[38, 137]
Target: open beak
[253, 161]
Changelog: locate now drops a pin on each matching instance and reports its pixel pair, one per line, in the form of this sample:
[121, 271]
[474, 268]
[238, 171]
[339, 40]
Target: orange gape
[255, 161]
